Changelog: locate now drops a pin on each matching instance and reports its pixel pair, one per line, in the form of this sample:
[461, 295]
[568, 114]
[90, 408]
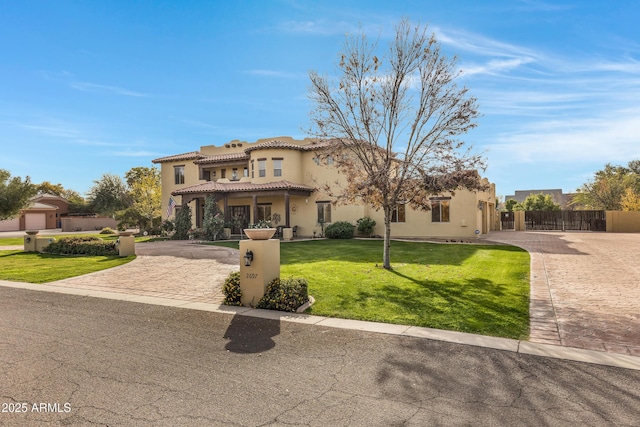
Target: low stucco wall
[87, 223]
[623, 222]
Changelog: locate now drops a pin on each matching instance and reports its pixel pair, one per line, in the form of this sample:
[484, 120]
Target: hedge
[83, 245]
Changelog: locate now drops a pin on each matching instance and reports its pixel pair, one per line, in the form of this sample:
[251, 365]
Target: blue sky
[94, 87]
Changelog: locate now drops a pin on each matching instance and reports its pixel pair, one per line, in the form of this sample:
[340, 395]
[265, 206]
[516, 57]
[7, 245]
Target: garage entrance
[35, 221]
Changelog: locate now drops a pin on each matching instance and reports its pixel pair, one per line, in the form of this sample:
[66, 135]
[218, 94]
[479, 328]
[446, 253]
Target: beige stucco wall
[191, 177]
[291, 165]
[464, 218]
[87, 223]
[623, 222]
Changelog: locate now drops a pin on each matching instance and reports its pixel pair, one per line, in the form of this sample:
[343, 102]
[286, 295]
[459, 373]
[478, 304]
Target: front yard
[481, 289]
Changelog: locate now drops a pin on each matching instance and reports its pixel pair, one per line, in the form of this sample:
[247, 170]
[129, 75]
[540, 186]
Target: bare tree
[394, 121]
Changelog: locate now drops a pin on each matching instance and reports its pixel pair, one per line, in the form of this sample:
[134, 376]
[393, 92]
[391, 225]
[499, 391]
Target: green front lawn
[481, 289]
[34, 267]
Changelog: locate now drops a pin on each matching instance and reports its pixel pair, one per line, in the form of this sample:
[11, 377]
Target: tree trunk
[386, 254]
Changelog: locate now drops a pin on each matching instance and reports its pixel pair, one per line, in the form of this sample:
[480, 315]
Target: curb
[496, 343]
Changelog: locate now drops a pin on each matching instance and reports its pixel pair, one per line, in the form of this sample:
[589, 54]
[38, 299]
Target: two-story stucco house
[279, 178]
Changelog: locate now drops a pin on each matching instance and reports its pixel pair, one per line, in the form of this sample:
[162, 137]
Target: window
[440, 209]
[178, 172]
[397, 214]
[316, 161]
[277, 167]
[329, 160]
[245, 172]
[264, 212]
[223, 173]
[206, 175]
[234, 174]
[324, 212]
[262, 168]
[252, 164]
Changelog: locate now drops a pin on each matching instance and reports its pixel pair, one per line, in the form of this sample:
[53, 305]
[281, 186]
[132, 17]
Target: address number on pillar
[252, 275]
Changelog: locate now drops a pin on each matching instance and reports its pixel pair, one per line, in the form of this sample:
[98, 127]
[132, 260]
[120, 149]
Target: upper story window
[252, 167]
[245, 172]
[206, 175]
[178, 173]
[277, 167]
[234, 174]
[440, 209]
[223, 173]
[262, 168]
[324, 212]
[398, 213]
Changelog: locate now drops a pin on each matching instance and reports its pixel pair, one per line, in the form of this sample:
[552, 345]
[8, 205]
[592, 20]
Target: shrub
[82, 245]
[197, 234]
[231, 289]
[107, 230]
[365, 226]
[339, 230]
[285, 295]
[213, 223]
[182, 223]
[167, 227]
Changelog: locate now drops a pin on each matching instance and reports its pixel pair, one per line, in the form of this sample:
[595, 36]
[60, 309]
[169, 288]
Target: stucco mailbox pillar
[30, 241]
[126, 244]
[264, 259]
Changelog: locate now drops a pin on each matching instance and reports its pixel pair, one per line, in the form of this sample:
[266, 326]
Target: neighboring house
[44, 212]
[283, 176]
[563, 199]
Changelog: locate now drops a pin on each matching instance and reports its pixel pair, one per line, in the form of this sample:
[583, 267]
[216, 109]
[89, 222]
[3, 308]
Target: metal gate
[508, 220]
[566, 220]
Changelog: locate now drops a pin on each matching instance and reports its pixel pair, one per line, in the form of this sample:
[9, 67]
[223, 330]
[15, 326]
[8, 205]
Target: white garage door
[35, 221]
[10, 225]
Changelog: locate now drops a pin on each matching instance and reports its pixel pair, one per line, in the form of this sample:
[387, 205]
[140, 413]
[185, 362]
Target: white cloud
[132, 153]
[98, 88]
[613, 138]
[495, 66]
[51, 130]
[535, 5]
[274, 73]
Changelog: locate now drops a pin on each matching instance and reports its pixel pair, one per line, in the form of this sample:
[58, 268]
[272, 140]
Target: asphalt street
[73, 360]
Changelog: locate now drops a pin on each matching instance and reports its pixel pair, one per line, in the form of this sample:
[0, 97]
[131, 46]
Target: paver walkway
[585, 288]
[173, 269]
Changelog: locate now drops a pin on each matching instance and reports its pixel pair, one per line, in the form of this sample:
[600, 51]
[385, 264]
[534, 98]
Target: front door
[242, 215]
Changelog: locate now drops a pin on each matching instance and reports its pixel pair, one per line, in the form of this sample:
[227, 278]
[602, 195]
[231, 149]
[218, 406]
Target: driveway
[585, 288]
[172, 269]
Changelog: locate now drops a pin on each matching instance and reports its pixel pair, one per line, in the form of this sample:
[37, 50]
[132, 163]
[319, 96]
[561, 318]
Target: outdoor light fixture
[248, 258]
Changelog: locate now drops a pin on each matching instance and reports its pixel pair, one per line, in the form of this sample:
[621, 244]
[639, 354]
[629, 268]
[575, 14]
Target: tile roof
[276, 143]
[221, 158]
[232, 187]
[178, 157]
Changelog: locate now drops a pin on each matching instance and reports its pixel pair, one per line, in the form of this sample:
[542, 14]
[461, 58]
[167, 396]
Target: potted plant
[261, 230]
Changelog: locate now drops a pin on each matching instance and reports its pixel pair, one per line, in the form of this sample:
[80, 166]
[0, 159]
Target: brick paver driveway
[585, 288]
[172, 269]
